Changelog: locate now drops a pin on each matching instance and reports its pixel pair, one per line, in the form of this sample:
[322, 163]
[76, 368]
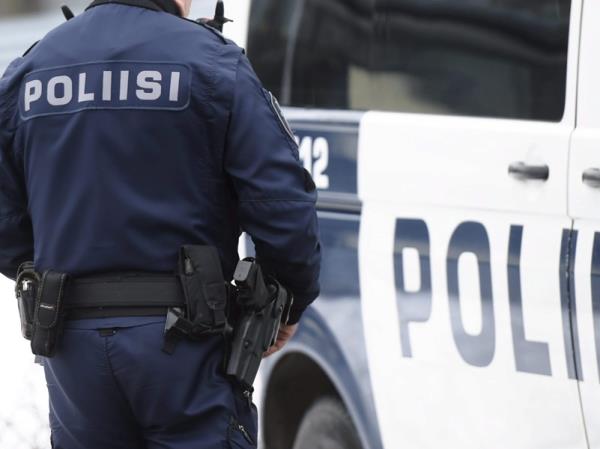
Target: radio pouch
[48, 317]
[206, 297]
[203, 285]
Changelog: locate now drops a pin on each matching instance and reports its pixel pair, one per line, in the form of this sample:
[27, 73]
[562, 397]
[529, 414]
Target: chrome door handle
[591, 177]
[525, 172]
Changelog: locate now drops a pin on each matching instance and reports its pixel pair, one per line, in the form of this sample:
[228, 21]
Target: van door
[465, 240]
[584, 207]
[465, 237]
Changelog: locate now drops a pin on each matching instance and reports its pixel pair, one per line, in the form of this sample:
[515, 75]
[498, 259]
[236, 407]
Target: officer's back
[132, 144]
[124, 157]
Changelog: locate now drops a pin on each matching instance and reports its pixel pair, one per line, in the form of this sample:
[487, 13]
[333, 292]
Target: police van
[456, 146]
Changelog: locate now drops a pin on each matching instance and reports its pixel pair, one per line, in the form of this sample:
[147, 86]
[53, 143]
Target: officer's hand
[284, 335]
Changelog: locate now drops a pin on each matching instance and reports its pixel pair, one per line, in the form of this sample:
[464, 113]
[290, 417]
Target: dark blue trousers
[111, 387]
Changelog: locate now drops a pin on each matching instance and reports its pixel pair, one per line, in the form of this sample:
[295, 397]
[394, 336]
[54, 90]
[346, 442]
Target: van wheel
[327, 425]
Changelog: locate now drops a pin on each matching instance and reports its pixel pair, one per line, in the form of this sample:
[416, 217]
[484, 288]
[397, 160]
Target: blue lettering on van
[105, 85]
[413, 306]
[530, 356]
[478, 349]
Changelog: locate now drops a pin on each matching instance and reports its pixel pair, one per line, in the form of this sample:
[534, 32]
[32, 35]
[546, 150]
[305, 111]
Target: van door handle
[591, 177]
[525, 172]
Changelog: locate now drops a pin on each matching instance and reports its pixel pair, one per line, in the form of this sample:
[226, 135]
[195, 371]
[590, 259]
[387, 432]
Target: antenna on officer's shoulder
[67, 12]
[219, 20]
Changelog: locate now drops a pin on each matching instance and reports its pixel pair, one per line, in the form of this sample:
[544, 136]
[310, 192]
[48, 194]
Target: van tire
[327, 425]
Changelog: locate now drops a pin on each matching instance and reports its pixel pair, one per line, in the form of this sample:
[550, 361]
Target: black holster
[206, 298]
[265, 305]
[41, 308]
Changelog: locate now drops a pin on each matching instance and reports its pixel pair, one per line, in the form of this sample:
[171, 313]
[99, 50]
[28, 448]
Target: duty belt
[194, 299]
[104, 296]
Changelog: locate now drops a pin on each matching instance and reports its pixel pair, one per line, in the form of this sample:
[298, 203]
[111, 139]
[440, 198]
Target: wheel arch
[312, 366]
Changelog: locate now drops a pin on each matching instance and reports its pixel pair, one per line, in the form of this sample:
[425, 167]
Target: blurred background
[23, 22]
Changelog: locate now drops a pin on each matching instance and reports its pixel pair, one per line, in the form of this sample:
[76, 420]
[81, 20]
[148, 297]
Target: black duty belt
[103, 297]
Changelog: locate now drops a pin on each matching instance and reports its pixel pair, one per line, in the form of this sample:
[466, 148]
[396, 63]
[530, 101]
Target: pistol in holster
[265, 305]
[39, 297]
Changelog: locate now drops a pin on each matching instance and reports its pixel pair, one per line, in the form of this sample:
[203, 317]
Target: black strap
[124, 290]
[115, 312]
[178, 327]
[48, 314]
[30, 48]
[155, 5]
[50, 296]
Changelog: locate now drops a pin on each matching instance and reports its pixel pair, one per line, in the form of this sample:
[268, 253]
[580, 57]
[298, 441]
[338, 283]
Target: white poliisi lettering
[124, 85]
[83, 95]
[106, 86]
[174, 90]
[67, 96]
[88, 87]
[148, 82]
[33, 92]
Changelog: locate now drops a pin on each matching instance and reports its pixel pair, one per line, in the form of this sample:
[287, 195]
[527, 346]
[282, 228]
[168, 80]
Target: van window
[485, 58]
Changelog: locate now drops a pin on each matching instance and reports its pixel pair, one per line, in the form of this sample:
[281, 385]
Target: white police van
[456, 146]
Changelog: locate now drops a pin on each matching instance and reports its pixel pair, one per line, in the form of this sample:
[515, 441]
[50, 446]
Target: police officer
[126, 133]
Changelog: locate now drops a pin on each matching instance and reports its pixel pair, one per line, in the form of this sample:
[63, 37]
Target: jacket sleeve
[276, 195]
[16, 235]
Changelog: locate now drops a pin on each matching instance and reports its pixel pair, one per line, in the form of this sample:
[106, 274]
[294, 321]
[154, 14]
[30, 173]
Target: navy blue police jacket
[127, 132]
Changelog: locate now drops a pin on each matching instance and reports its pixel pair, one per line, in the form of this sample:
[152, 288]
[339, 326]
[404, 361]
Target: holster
[206, 297]
[265, 307]
[41, 308]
